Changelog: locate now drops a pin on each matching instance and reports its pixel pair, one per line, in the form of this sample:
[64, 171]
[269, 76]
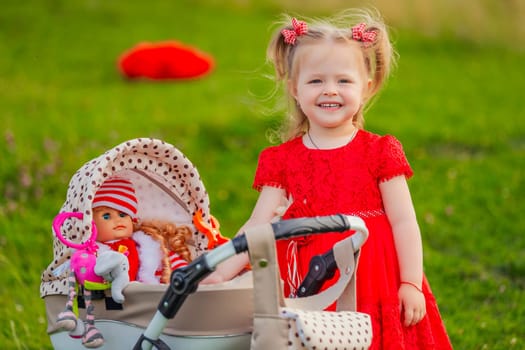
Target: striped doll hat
[117, 193]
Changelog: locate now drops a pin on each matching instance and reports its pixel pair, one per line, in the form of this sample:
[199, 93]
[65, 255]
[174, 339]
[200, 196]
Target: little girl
[329, 164]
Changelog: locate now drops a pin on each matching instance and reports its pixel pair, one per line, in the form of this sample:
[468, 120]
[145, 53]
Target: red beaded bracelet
[413, 285]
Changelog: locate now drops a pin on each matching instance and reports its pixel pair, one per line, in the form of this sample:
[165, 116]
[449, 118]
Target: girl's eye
[345, 81]
[106, 216]
[122, 215]
[315, 81]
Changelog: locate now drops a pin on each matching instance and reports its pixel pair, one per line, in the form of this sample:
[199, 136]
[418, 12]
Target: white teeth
[329, 105]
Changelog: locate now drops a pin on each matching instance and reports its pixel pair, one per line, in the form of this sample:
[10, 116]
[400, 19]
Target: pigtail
[382, 57]
[377, 49]
[280, 53]
[176, 240]
[172, 238]
[282, 46]
[277, 54]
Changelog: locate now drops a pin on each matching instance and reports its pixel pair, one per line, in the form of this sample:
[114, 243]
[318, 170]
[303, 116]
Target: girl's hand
[213, 278]
[412, 304]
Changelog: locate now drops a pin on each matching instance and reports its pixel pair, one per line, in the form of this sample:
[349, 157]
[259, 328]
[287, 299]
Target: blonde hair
[172, 238]
[379, 57]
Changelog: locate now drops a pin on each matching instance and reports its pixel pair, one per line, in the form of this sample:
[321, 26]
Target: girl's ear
[369, 85]
[292, 88]
[367, 89]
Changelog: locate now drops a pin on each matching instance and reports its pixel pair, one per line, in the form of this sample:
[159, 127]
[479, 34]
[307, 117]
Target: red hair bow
[299, 28]
[359, 33]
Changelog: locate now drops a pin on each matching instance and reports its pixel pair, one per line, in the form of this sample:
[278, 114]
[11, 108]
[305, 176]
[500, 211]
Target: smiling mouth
[329, 105]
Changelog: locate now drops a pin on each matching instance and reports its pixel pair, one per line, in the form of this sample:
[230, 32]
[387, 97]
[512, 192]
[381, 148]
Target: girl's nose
[330, 93]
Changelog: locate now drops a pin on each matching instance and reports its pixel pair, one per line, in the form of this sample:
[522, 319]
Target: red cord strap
[413, 285]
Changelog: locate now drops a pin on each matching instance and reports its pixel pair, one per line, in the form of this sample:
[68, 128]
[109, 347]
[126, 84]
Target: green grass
[455, 102]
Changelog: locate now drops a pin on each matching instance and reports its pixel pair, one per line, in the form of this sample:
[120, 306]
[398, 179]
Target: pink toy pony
[84, 259]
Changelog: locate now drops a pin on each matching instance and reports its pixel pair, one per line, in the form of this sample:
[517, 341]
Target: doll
[125, 251]
[149, 245]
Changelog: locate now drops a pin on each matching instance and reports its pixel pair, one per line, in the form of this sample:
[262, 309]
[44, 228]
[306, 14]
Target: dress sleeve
[269, 169]
[391, 160]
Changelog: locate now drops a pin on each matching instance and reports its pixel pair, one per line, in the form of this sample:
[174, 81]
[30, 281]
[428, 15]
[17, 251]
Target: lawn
[455, 101]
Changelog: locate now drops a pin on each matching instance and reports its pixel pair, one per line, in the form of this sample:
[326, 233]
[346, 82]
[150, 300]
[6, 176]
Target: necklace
[312, 141]
[317, 147]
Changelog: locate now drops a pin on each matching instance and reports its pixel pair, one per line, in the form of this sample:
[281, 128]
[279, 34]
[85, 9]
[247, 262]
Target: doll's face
[112, 224]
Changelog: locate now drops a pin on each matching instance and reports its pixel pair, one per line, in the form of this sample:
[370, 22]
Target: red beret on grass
[169, 60]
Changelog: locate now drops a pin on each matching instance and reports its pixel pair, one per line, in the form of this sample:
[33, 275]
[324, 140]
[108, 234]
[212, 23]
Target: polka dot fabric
[166, 183]
[322, 330]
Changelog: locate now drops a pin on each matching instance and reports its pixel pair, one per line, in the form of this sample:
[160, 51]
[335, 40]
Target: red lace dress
[345, 180]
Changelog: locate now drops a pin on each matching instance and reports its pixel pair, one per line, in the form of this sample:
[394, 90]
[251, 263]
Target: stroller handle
[319, 224]
[184, 280]
[293, 228]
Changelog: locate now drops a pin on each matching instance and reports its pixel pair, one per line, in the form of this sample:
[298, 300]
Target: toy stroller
[168, 187]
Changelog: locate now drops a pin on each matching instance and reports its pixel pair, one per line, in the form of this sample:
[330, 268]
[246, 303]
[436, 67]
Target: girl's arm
[407, 239]
[264, 211]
